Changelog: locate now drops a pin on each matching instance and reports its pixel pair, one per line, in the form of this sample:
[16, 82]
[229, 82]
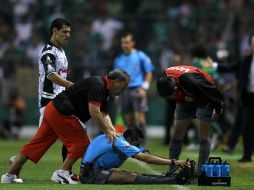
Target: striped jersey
[51, 60]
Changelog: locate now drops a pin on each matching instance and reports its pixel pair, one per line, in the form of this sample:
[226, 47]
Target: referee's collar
[105, 78]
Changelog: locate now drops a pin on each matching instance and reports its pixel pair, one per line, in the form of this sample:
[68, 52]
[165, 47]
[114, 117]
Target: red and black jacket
[195, 87]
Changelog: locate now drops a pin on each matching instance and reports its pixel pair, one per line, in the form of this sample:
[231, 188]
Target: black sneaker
[244, 160]
[187, 174]
[183, 177]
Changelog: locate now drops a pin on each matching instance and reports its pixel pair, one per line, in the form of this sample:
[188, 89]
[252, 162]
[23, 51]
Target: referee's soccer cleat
[63, 177]
[10, 178]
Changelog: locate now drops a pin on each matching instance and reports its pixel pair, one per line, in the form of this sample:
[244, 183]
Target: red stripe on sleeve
[94, 102]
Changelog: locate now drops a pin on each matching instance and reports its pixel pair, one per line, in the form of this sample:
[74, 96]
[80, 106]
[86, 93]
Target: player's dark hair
[126, 34]
[165, 86]
[58, 23]
[134, 133]
[119, 74]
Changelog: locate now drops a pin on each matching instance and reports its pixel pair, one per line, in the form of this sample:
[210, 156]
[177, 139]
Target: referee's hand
[111, 135]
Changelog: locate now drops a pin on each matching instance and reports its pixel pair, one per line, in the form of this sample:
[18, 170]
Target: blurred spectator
[22, 7]
[107, 28]
[9, 63]
[16, 108]
[94, 54]
[23, 29]
[130, 7]
[33, 48]
[114, 7]
[167, 57]
[202, 61]
[162, 29]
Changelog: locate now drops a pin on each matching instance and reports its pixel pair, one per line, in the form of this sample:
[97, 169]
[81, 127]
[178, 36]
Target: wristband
[145, 85]
[215, 65]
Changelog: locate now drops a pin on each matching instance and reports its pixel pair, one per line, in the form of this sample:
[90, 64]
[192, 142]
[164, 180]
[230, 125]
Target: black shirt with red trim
[75, 99]
[195, 87]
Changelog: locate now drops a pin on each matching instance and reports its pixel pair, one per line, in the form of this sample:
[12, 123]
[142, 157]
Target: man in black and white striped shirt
[53, 64]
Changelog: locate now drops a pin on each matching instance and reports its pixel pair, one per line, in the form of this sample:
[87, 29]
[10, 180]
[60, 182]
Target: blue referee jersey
[136, 64]
[106, 155]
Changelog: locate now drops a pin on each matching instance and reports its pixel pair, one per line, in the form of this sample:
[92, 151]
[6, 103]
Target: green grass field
[37, 177]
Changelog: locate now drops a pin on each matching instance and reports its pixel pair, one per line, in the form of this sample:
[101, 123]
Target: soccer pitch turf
[37, 176]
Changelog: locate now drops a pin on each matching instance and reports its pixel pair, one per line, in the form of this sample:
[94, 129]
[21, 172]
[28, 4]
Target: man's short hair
[119, 74]
[134, 133]
[58, 23]
[126, 34]
[165, 86]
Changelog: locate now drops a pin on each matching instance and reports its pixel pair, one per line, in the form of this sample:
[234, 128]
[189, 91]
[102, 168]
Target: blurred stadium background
[166, 30]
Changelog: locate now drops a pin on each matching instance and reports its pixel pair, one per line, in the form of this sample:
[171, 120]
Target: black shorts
[203, 113]
[130, 101]
[96, 177]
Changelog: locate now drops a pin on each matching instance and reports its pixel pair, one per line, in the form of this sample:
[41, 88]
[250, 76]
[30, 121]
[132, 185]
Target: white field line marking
[150, 169]
[146, 167]
[181, 187]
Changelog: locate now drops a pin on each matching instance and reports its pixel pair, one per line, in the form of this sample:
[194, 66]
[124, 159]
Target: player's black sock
[64, 152]
[175, 148]
[204, 151]
[152, 179]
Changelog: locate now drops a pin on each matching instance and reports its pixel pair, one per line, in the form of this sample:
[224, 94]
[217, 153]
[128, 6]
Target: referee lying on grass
[103, 157]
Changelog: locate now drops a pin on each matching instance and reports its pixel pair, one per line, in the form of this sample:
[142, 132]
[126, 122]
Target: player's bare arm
[57, 79]
[107, 118]
[103, 122]
[152, 159]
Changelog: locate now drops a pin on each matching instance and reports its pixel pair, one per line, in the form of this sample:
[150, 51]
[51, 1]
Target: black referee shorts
[96, 177]
[130, 101]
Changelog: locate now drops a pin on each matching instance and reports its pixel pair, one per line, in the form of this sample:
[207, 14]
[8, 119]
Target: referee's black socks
[152, 179]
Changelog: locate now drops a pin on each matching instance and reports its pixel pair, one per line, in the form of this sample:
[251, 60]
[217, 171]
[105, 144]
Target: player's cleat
[244, 160]
[184, 176]
[63, 177]
[10, 178]
[11, 160]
